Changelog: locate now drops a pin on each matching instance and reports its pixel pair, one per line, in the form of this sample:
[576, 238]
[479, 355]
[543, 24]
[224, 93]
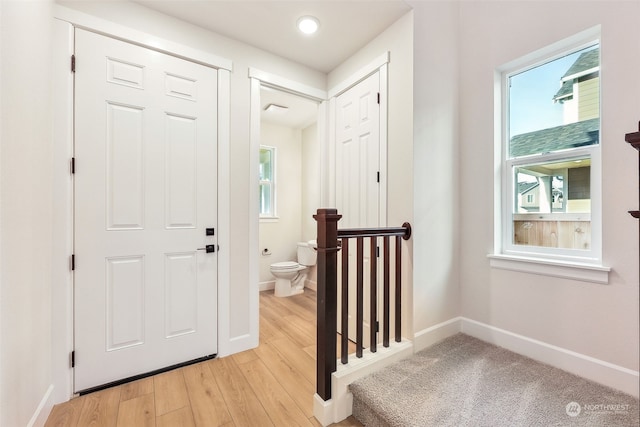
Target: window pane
[556, 106]
[265, 199]
[266, 168]
[552, 204]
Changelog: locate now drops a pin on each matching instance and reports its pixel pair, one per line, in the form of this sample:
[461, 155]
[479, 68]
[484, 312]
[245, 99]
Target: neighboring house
[579, 95]
[579, 91]
[528, 196]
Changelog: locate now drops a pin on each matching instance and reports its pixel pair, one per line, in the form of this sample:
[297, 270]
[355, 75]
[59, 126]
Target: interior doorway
[289, 188]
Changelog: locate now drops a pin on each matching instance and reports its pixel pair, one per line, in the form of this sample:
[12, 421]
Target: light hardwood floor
[272, 385]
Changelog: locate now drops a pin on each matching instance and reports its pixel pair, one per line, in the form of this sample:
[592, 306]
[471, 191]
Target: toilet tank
[307, 255]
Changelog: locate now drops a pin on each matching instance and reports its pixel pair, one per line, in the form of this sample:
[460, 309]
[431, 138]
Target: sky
[531, 105]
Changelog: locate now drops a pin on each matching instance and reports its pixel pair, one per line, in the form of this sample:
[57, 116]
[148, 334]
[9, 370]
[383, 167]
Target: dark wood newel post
[327, 299]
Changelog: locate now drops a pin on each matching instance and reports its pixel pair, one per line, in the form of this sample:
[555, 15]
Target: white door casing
[145, 193]
[357, 178]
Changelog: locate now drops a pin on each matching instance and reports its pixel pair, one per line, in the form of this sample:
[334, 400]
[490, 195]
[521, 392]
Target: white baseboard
[39, 417]
[430, 336]
[267, 286]
[311, 285]
[271, 285]
[614, 376]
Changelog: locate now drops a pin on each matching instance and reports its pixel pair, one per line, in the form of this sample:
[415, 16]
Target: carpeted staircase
[463, 381]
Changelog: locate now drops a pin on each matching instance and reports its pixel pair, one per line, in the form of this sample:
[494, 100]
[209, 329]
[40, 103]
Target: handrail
[404, 232]
[331, 240]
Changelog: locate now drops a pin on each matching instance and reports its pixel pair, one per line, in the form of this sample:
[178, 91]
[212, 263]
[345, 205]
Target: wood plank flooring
[272, 385]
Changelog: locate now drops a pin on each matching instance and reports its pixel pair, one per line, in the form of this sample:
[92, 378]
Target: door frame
[65, 22]
[259, 78]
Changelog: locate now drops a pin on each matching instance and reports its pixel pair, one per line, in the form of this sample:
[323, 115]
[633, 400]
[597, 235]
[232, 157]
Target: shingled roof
[523, 187]
[573, 135]
[586, 61]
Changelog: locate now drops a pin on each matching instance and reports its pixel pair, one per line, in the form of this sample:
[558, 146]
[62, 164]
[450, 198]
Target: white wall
[26, 212]
[398, 40]
[281, 236]
[600, 321]
[436, 292]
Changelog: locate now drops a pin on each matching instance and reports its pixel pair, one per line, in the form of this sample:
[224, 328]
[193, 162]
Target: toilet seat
[285, 265]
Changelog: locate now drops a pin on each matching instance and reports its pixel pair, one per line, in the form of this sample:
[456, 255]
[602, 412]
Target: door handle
[208, 249]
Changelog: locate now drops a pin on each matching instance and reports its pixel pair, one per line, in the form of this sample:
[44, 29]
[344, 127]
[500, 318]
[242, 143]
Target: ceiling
[345, 27]
[300, 113]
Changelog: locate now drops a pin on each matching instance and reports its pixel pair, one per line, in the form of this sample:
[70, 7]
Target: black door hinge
[73, 359]
[377, 251]
[378, 176]
[73, 262]
[378, 97]
[73, 63]
[73, 165]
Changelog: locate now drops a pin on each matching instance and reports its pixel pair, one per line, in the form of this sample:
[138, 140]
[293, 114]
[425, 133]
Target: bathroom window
[267, 176]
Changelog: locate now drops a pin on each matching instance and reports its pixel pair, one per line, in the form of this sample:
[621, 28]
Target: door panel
[145, 192]
[357, 186]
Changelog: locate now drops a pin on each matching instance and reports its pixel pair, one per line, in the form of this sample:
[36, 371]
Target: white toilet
[290, 275]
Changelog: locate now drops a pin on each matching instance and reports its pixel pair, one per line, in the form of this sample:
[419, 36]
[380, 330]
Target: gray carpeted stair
[463, 381]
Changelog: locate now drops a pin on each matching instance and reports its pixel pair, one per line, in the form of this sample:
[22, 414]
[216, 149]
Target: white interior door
[145, 195]
[357, 178]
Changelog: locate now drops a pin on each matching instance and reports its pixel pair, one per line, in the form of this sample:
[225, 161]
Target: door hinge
[377, 251]
[377, 326]
[378, 97]
[73, 63]
[73, 359]
[378, 176]
[73, 262]
[73, 165]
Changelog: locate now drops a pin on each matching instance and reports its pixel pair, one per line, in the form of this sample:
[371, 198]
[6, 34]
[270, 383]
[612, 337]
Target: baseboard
[608, 374]
[430, 336]
[600, 371]
[39, 417]
[271, 285]
[267, 286]
[311, 285]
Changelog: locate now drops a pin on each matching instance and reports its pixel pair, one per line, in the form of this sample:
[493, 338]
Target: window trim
[575, 264]
[273, 215]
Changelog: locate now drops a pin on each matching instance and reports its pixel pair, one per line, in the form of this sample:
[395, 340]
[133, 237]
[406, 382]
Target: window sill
[269, 218]
[546, 267]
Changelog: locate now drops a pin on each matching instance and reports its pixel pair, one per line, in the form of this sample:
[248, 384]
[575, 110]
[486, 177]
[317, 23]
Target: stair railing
[330, 242]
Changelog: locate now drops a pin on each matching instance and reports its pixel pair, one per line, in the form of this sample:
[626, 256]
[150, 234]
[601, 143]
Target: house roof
[557, 138]
[585, 62]
[524, 187]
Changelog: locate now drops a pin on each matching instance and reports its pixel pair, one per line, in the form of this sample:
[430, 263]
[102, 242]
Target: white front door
[357, 178]
[145, 197]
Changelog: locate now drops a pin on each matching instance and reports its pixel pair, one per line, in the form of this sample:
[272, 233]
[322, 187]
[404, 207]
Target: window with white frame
[267, 176]
[551, 157]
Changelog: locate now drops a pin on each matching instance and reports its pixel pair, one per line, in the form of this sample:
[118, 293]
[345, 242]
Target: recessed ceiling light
[308, 24]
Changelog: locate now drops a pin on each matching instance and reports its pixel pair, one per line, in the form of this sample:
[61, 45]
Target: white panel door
[357, 186]
[145, 193]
